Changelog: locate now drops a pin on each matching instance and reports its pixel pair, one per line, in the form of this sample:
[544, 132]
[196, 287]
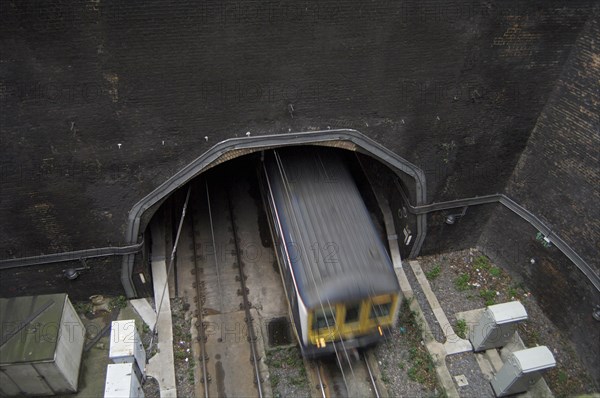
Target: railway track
[220, 282]
[354, 379]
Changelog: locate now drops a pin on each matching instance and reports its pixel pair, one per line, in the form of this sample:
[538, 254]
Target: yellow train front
[340, 283]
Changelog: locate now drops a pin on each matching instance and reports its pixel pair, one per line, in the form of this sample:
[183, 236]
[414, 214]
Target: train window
[380, 310]
[352, 313]
[324, 318]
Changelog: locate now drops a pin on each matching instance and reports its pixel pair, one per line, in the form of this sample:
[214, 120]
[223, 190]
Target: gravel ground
[151, 388]
[182, 351]
[483, 278]
[403, 363]
[287, 373]
[465, 364]
[182, 348]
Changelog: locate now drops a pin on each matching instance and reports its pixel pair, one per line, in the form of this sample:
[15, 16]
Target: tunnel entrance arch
[349, 139]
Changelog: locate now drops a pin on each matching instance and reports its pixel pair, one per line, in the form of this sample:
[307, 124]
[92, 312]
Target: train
[339, 280]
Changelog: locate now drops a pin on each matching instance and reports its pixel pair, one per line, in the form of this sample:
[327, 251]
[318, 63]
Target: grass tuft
[434, 273]
[462, 282]
[461, 328]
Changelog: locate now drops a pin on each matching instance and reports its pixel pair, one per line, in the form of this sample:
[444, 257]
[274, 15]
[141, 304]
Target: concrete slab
[145, 311]
[453, 343]
[162, 365]
[461, 380]
[264, 283]
[229, 356]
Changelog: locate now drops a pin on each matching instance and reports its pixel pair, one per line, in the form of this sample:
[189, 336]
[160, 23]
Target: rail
[252, 336]
[200, 322]
[371, 377]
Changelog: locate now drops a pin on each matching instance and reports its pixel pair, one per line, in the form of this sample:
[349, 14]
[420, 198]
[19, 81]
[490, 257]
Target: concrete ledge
[453, 343]
[145, 311]
[162, 365]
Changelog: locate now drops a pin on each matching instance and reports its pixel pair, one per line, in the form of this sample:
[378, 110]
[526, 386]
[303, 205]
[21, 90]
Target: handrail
[516, 208]
[71, 256]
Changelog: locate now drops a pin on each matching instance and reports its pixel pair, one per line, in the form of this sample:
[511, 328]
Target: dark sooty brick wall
[457, 87]
[562, 163]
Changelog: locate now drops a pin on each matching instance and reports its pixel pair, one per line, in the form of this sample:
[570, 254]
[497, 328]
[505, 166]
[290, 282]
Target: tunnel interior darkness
[246, 168]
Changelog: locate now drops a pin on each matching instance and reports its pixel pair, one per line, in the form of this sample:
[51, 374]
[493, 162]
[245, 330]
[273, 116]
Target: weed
[422, 369]
[274, 380]
[82, 307]
[419, 365]
[562, 377]
[461, 328]
[119, 302]
[482, 262]
[179, 354]
[488, 296]
[434, 273]
[512, 292]
[495, 272]
[462, 282]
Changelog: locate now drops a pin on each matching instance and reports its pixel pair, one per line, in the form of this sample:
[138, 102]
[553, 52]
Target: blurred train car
[342, 289]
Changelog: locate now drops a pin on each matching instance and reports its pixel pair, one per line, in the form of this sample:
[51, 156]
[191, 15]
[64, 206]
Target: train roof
[334, 249]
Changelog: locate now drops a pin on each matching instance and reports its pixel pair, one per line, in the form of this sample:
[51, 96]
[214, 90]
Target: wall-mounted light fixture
[452, 218]
[73, 273]
[596, 313]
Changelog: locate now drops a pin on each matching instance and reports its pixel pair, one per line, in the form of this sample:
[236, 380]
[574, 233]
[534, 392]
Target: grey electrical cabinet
[497, 325]
[522, 370]
[122, 382]
[41, 346]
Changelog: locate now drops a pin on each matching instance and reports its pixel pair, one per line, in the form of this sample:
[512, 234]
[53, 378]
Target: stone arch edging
[197, 166]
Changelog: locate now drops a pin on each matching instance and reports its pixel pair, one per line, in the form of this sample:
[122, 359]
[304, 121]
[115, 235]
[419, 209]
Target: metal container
[497, 325]
[122, 382]
[126, 345]
[522, 370]
[41, 345]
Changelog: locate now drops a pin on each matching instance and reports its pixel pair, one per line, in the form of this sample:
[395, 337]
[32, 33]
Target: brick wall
[558, 178]
[455, 87]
